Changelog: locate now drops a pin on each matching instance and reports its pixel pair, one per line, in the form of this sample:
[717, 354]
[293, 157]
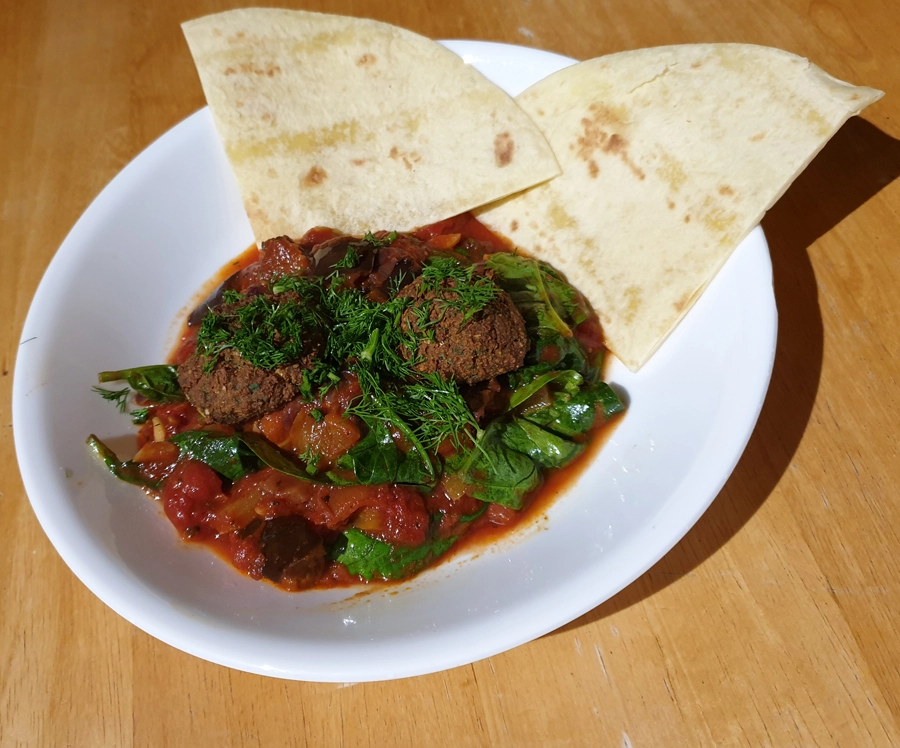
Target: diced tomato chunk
[281, 256]
[326, 437]
[316, 236]
[467, 226]
[191, 496]
[404, 518]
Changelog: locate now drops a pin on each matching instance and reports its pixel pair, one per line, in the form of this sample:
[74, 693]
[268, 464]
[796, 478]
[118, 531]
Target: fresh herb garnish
[311, 458]
[349, 260]
[376, 242]
[119, 397]
[463, 289]
[266, 331]
[140, 416]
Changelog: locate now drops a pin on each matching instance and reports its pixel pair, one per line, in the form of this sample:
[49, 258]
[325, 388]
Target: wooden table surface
[772, 623]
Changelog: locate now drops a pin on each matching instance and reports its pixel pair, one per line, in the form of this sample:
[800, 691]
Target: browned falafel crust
[492, 342]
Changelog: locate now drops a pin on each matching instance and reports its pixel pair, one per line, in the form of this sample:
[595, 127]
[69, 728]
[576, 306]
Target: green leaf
[572, 414]
[127, 471]
[550, 306]
[524, 387]
[224, 453]
[140, 416]
[533, 284]
[547, 449]
[368, 557]
[271, 456]
[375, 242]
[158, 383]
[376, 459]
[240, 453]
[494, 472]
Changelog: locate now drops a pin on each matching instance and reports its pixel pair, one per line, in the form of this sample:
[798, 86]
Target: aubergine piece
[294, 553]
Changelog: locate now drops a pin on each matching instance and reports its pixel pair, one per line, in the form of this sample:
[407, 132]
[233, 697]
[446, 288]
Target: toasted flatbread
[356, 124]
[670, 156]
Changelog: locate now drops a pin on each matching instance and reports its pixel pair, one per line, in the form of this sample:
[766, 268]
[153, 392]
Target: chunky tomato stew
[348, 408]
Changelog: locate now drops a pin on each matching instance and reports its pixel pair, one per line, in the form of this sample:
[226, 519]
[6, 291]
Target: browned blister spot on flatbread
[315, 176]
[593, 169]
[560, 218]
[634, 296]
[366, 60]
[268, 69]
[358, 161]
[717, 218]
[254, 211]
[726, 190]
[756, 138]
[599, 134]
[504, 149]
[615, 143]
[681, 303]
[514, 225]
[670, 205]
[672, 172]
[407, 157]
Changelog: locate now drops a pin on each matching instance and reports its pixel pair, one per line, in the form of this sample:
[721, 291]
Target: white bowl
[111, 298]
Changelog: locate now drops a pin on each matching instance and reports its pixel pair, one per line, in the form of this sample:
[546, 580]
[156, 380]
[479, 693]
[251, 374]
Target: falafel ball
[227, 388]
[490, 343]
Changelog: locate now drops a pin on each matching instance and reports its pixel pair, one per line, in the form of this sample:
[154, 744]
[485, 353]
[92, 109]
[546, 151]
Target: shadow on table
[858, 162]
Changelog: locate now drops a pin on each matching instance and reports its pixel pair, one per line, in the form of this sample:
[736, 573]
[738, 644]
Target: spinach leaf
[271, 456]
[376, 459]
[127, 471]
[494, 472]
[368, 557]
[158, 383]
[415, 468]
[572, 414]
[243, 452]
[563, 353]
[533, 284]
[547, 449]
[224, 453]
[550, 306]
[524, 387]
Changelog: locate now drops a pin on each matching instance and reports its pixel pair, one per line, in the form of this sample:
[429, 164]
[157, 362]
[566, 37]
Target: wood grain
[774, 622]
